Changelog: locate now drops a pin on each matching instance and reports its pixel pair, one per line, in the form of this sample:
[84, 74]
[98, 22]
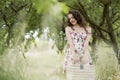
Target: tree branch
[71, 6]
[21, 7]
[5, 20]
[113, 14]
[81, 8]
[118, 18]
[16, 10]
[83, 12]
[116, 28]
[103, 17]
[30, 7]
[12, 7]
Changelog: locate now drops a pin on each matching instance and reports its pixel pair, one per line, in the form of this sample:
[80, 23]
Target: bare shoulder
[89, 29]
[68, 28]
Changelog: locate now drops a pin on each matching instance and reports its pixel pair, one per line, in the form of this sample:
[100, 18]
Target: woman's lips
[72, 21]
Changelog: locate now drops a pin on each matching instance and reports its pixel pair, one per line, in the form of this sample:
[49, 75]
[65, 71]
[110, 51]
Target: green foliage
[34, 21]
[10, 9]
[38, 64]
[53, 20]
[12, 66]
[106, 64]
[2, 40]
[10, 15]
[41, 5]
[20, 17]
[104, 18]
[60, 41]
[17, 17]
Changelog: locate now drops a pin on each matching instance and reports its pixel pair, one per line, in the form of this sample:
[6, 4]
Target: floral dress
[78, 42]
[78, 70]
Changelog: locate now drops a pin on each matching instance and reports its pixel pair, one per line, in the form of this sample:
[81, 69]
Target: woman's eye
[72, 17]
[69, 18]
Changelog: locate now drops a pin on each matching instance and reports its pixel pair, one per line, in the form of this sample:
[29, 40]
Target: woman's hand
[83, 60]
[75, 58]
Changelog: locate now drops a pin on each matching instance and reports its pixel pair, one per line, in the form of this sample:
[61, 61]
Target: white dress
[78, 71]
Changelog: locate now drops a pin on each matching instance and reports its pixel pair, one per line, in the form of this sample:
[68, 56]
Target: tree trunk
[111, 31]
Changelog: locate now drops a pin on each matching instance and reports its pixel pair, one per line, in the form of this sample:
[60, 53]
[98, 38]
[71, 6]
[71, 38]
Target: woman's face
[72, 20]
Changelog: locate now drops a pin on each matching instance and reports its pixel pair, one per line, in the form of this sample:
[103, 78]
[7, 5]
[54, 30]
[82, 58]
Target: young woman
[77, 54]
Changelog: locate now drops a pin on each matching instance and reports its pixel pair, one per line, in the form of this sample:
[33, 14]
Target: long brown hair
[80, 20]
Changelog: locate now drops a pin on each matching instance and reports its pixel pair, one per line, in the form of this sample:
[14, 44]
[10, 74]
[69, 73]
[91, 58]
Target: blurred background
[33, 43]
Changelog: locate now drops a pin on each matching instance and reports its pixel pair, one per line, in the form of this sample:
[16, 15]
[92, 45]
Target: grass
[43, 63]
[107, 64]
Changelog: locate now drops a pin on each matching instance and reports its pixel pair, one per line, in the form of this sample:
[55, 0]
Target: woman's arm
[71, 46]
[86, 44]
[69, 39]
